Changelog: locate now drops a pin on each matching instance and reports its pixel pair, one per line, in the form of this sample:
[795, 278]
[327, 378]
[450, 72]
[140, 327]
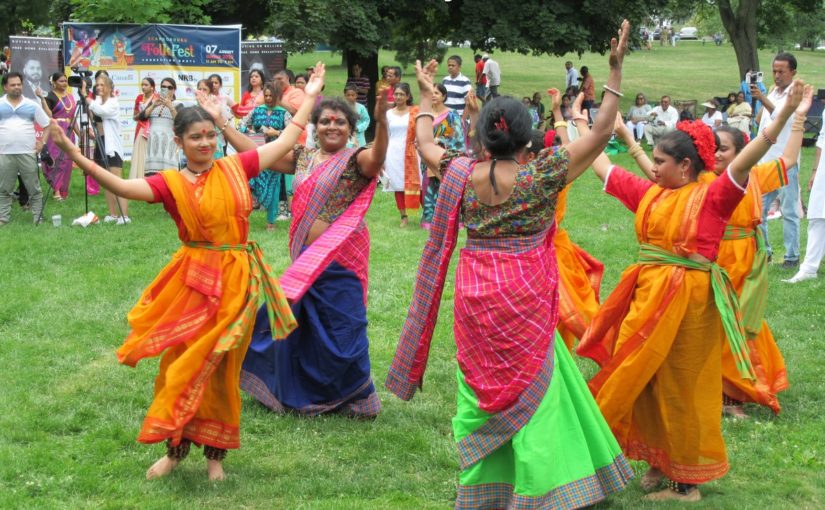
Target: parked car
[657, 34]
[688, 33]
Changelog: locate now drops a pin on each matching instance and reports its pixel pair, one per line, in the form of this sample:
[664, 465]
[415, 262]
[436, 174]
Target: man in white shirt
[663, 120]
[572, 79]
[18, 146]
[493, 73]
[457, 85]
[784, 72]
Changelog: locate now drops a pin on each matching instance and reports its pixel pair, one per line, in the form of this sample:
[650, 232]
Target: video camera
[754, 78]
[82, 75]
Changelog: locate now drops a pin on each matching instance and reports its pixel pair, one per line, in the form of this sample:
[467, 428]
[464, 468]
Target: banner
[130, 53]
[36, 58]
[266, 56]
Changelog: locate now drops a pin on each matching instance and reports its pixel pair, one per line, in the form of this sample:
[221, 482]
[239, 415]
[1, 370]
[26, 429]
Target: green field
[69, 413]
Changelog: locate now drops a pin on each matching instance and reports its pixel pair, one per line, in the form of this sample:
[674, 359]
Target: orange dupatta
[412, 168]
[200, 310]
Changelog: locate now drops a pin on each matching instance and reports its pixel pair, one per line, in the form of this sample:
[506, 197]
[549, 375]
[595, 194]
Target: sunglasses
[164, 87]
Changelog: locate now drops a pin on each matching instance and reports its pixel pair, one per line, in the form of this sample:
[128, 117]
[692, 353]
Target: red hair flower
[703, 140]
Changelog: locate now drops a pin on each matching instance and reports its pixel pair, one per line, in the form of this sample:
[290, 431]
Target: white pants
[637, 128]
[815, 249]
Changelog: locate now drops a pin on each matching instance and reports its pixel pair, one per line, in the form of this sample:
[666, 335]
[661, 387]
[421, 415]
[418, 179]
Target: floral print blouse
[528, 210]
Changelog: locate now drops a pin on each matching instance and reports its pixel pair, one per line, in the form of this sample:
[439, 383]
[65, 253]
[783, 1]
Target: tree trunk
[741, 27]
[369, 68]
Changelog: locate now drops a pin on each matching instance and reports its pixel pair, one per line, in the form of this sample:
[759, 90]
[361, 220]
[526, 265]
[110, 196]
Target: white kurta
[816, 202]
[394, 162]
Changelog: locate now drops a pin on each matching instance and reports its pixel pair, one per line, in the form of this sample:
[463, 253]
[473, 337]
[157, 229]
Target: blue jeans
[789, 205]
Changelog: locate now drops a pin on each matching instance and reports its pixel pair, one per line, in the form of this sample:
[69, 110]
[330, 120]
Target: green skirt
[565, 456]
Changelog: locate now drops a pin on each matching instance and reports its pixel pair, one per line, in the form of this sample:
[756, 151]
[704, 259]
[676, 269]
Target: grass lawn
[69, 413]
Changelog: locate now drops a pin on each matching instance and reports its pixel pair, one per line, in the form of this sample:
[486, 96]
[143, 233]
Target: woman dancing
[198, 312]
[658, 337]
[324, 365]
[529, 433]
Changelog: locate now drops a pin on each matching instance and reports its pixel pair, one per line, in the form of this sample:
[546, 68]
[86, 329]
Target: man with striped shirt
[457, 85]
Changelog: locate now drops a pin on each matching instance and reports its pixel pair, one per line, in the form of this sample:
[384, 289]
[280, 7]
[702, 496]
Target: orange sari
[580, 276]
[738, 255]
[200, 310]
[658, 339]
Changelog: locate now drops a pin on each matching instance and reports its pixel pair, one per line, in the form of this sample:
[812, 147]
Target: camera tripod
[81, 117]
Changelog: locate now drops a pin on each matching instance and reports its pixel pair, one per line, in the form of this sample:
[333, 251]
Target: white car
[689, 33]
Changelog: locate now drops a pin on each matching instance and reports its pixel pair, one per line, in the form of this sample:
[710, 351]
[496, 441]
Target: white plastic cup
[57, 220]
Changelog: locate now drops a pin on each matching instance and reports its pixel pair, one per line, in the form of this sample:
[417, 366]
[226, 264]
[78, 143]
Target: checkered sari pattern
[347, 240]
[506, 309]
[502, 426]
[577, 494]
[406, 372]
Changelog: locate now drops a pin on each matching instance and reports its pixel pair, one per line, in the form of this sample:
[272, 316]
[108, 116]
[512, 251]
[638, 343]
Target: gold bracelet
[560, 124]
[425, 114]
[224, 125]
[635, 150]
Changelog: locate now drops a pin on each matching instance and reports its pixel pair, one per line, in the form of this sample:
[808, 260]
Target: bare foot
[735, 412]
[161, 468]
[651, 479]
[404, 222]
[215, 470]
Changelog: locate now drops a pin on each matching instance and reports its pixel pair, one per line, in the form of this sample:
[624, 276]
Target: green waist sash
[260, 282]
[753, 299]
[724, 296]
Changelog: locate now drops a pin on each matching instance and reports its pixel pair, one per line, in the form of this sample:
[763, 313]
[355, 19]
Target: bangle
[612, 91]
[768, 139]
[635, 150]
[225, 124]
[560, 124]
[424, 114]
[298, 124]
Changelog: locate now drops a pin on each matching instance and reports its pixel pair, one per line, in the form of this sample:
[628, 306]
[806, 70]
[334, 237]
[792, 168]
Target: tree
[741, 27]
[15, 15]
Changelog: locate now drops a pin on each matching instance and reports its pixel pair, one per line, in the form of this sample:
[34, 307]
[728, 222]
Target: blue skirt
[324, 364]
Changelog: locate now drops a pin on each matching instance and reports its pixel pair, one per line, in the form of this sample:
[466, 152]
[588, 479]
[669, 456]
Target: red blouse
[249, 162]
[723, 195]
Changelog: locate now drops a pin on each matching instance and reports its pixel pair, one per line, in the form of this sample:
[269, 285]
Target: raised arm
[601, 165]
[633, 148]
[584, 150]
[430, 152]
[797, 103]
[559, 124]
[371, 160]
[132, 189]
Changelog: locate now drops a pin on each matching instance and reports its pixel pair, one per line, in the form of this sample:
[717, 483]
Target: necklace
[66, 107]
[197, 173]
